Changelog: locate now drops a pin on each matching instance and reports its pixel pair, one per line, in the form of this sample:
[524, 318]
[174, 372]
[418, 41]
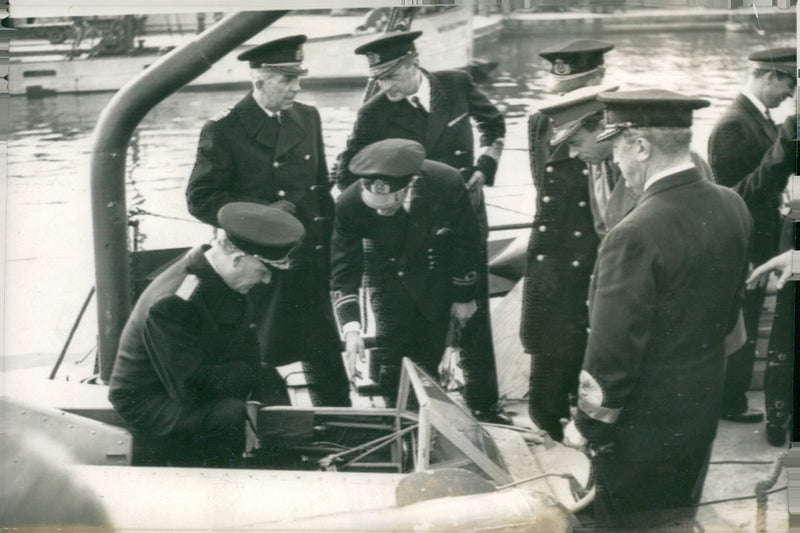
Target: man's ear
[236, 259]
[642, 148]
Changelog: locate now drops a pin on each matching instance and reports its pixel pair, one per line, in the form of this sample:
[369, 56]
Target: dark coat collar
[764, 126]
[266, 131]
[224, 304]
[683, 177]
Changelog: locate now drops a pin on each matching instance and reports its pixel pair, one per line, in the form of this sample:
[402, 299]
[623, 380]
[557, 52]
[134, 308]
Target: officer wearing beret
[268, 149]
[425, 255]
[435, 109]
[666, 290]
[189, 355]
[754, 157]
[562, 246]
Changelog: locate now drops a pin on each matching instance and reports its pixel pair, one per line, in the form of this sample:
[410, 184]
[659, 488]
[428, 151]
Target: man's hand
[573, 437]
[463, 311]
[354, 349]
[781, 263]
[475, 187]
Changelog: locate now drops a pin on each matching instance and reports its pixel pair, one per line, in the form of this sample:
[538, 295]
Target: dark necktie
[773, 130]
[419, 106]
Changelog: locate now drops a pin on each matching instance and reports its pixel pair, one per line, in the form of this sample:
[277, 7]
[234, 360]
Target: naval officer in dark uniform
[425, 257]
[189, 353]
[435, 109]
[268, 149]
[667, 289]
[562, 246]
[749, 154]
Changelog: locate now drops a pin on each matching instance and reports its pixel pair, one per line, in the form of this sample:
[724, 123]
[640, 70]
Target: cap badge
[373, 58]
[380, 187]
[298, 55]
[561, 68]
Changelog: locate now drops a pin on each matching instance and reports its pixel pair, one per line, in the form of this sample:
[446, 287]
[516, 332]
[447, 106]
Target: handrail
[112, 134]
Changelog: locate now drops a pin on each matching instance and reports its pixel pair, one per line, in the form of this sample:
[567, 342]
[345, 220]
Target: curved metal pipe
[111, 137]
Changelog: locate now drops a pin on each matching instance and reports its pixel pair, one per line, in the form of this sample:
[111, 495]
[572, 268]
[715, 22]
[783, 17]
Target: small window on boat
[37, 73]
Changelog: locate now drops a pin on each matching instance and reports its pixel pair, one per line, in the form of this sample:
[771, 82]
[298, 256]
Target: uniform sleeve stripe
[470, 279]
[598, 412]
[344, 300]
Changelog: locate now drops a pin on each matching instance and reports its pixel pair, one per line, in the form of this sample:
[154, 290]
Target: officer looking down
[188, 356]
[425, 258]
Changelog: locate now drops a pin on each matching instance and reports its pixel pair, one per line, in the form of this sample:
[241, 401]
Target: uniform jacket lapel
[255, 121]
[291, 132]
[439, 114]
[402, 115]
[763, 127]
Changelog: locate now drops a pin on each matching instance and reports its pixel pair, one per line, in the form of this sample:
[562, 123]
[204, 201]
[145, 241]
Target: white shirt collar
[756, 102]
[267, 111]
[423, 93]
[210, 259]
[668, 172]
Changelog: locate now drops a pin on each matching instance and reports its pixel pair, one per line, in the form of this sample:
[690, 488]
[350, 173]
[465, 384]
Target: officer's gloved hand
[573, 437]
[354, 351]
[475, 188]
[463, 311]
[488, 165]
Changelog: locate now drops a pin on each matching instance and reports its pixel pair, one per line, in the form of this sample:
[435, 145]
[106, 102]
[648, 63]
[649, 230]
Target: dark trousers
[296, 323]
[403, 331]
[211, 435]
[632, 494]
[478, 360]
[554, 377]
[477, 346]
[553, 380]
[780, 359]
[739, 369]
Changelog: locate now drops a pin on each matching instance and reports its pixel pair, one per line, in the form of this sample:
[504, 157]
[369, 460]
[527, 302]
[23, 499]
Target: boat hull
[446, 43]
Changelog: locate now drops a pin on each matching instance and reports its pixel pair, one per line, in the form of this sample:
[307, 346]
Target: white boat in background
[446, 43]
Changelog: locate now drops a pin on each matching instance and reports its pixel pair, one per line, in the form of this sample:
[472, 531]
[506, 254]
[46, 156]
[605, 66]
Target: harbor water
[49, 255]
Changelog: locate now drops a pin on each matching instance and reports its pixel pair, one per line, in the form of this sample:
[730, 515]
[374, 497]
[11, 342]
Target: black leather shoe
[493, 415]
[750, 416]
[776, 435]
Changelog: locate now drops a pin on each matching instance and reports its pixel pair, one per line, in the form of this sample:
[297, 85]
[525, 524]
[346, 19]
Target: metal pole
[71, 334]
[111, 137]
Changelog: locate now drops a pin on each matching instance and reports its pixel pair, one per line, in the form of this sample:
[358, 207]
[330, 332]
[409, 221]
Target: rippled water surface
[50, 268]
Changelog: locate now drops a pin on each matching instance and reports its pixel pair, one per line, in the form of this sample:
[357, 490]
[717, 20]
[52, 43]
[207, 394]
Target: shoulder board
[222, 114]
[187, 287]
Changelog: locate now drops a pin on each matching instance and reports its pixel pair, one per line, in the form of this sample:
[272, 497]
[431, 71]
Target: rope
[762, 488]
[136, 211]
